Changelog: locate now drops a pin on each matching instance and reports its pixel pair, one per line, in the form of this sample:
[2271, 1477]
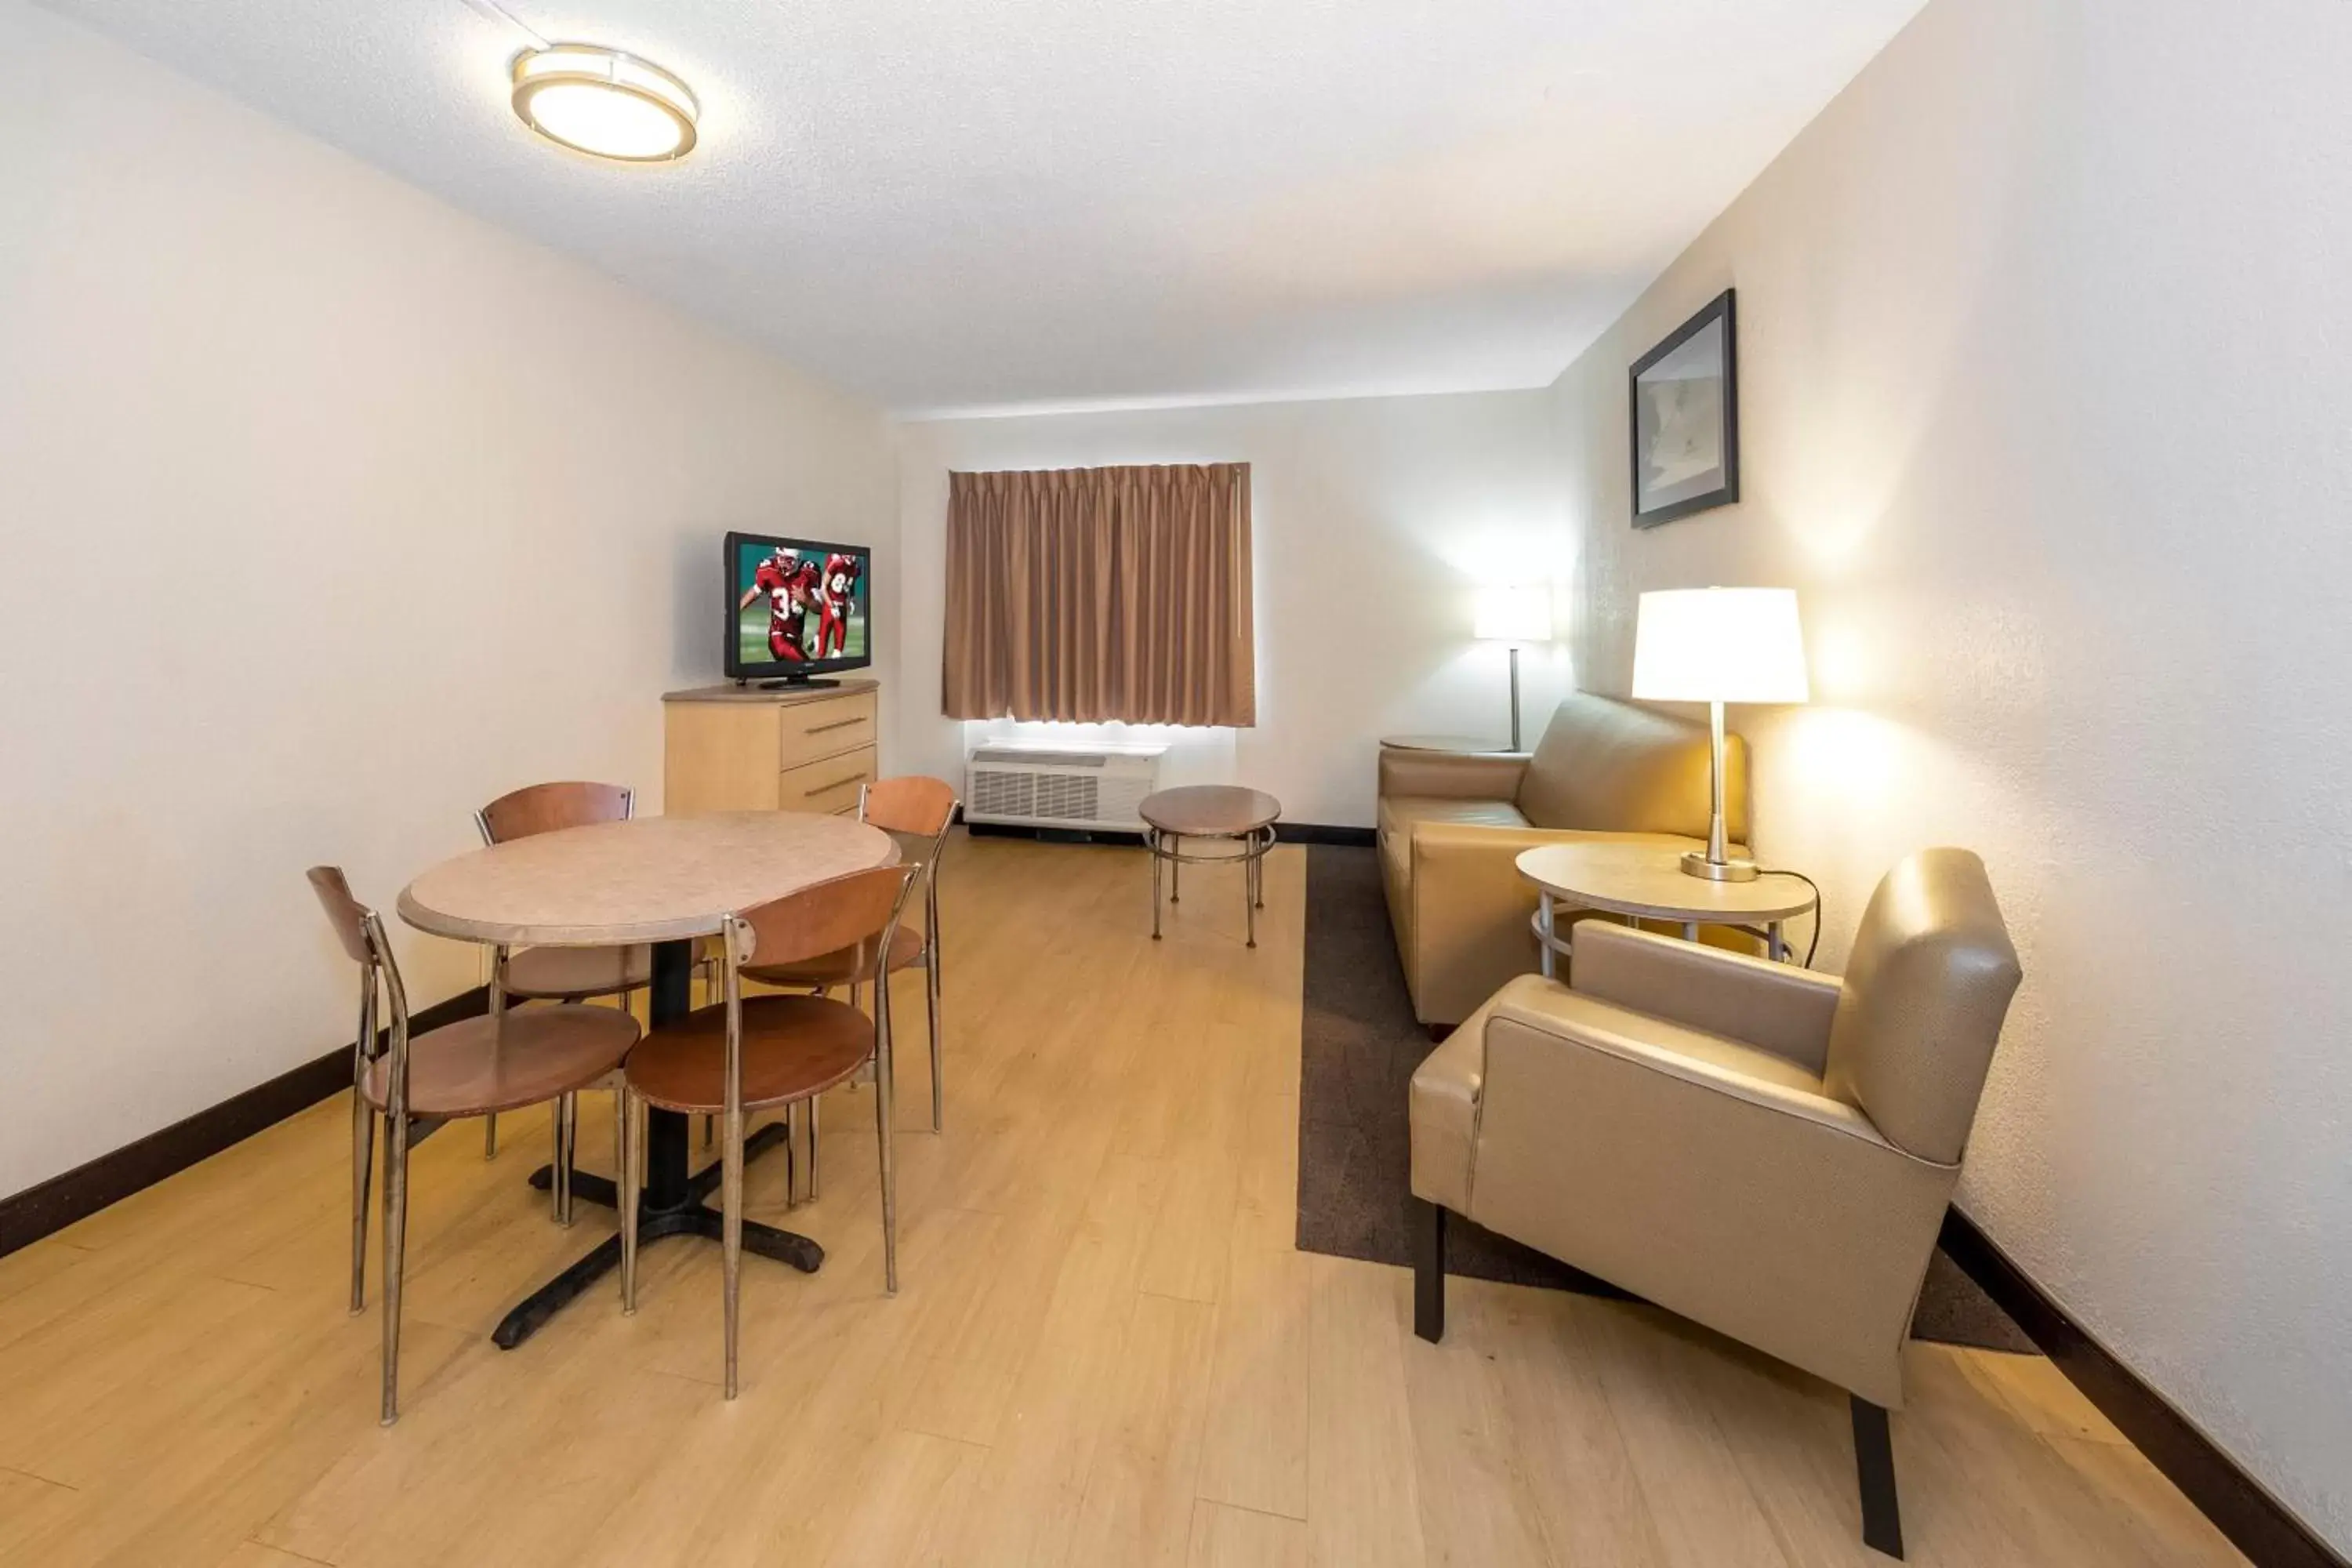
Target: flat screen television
[796, 609]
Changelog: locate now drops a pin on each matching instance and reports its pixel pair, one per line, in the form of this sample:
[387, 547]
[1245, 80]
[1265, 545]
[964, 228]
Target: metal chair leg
[624, 1106]
[732, 1237]
[395, 1239]
[932, 910]
[931, 997]
[563, 1120]
[498, 1006]
[882, 1076]
[362, 1166]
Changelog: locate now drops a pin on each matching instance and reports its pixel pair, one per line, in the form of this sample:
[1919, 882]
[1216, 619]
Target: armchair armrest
[1776, 1007]
[1448, 776]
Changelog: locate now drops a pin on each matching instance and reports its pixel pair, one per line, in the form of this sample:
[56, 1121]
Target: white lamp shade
[1515, 614]
[1719, 645]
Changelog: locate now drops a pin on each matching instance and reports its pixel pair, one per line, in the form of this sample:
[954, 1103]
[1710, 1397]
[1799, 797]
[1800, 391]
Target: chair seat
[526, 1055]
[555, 973]
[794, 1047]
[842, 967]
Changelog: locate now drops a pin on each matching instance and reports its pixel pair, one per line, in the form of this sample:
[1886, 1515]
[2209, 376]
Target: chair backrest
[823, 918]
[344, 913]
[545, 807]
[911, 803]
[1926, 989]
[1613, 767]
[361, 931]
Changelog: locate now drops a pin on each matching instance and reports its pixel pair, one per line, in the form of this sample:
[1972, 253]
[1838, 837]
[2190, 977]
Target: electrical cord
[1814, 946]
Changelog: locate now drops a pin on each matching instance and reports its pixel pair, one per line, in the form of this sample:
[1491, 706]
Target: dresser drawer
[829, 785]
[825, 728]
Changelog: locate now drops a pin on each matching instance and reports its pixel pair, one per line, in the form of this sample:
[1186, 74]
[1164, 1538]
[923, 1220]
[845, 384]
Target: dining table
[670, 882]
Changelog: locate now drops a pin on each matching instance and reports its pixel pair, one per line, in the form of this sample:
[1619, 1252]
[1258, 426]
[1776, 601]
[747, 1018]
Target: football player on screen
[836, 597]
[790, 583]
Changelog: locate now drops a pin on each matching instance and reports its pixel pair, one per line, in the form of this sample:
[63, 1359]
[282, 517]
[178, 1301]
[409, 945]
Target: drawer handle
[851, 779]
[837, 724]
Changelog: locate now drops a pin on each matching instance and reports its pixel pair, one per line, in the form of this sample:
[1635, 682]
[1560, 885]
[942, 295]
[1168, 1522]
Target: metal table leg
[672, 1200]
[1545, 937]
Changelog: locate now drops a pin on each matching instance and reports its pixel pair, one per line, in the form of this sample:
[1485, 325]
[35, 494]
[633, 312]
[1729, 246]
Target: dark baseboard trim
[51, 1205]
[1054, 835]
[1284, 832]
[2257, 1523]
[1321, 832]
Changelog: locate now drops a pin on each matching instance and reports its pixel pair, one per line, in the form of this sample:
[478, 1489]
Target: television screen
[796, 608]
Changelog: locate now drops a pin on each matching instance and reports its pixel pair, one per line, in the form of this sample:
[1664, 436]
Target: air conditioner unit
[1036, 786]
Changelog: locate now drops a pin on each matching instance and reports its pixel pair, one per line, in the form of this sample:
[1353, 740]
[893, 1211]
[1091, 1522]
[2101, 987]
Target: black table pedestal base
[695, 1218]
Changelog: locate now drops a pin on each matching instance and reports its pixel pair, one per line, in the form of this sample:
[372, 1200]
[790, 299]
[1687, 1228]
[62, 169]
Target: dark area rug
[1362, 1044]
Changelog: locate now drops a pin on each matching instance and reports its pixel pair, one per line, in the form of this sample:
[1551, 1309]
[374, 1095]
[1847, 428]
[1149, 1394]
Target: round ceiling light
[605, 102]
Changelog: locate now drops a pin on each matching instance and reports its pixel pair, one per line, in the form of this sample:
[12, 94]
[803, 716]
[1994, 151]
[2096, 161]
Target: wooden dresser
[733, 747]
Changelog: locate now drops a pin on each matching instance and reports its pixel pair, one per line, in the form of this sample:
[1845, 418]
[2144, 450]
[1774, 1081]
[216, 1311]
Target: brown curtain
[1101, 594]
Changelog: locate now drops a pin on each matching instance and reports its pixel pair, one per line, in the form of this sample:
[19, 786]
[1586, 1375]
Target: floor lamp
[1516, 615]
[1716, 645]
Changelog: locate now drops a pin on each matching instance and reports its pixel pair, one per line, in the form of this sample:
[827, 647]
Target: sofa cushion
[1613, 767]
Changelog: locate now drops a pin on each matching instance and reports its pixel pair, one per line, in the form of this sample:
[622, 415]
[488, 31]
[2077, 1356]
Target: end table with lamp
[1646, 882]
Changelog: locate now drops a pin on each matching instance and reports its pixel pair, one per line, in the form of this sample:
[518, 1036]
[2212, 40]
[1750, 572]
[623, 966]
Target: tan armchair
[1761, 1149]
[1452, 826]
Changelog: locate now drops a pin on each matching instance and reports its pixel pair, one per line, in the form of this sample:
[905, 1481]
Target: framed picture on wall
[1685, 418]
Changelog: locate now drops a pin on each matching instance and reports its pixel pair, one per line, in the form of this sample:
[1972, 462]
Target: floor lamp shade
[1515, 614]
[1716, 645]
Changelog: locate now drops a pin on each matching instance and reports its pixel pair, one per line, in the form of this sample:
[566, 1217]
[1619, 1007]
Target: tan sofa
[1759, 1148]
[1451, 827]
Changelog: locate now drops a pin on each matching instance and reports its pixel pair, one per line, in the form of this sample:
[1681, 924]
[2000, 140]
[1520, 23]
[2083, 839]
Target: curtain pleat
[1093, 595]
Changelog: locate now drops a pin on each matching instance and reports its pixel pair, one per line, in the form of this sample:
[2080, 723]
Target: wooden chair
[749, 1053]
[474, 1067]
[918, 813]
[562, 973]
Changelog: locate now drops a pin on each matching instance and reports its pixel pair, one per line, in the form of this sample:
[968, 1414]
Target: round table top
[650, 879]
[1462, 745]
[1209, 810]
[1647, 880]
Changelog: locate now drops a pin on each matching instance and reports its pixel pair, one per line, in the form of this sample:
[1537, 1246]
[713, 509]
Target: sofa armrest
[1449, 775]
[1776, 1216]
[1776, 1007]
[1470, 912]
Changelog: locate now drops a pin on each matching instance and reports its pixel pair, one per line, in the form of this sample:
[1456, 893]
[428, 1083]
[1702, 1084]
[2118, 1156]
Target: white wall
[1374, 520]
[2045, 397]
[329, 513]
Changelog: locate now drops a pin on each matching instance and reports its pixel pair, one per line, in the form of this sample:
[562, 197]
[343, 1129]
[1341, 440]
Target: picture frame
[1683, 417]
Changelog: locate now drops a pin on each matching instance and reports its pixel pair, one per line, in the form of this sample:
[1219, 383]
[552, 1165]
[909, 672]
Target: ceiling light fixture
[605, 102]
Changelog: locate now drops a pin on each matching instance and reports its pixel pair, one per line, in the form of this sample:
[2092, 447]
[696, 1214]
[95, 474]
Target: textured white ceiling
[979, 203]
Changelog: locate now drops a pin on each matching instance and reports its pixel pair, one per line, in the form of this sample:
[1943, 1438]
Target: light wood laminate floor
[1106, 1350]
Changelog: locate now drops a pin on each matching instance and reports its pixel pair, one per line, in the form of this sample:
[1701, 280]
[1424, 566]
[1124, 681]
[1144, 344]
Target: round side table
[1210, 811]
[1646, 882]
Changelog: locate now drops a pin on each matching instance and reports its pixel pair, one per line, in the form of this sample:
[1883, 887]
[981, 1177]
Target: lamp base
[1696, 864]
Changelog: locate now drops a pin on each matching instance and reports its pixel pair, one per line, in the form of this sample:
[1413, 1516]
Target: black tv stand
[793, 683]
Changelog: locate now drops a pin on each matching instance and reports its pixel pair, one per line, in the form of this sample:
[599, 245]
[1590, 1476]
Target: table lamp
[1514, 613]
[1716, 645]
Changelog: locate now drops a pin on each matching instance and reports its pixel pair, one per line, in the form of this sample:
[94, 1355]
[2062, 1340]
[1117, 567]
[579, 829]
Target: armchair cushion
[1714, 1179]
[1777, 1006]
